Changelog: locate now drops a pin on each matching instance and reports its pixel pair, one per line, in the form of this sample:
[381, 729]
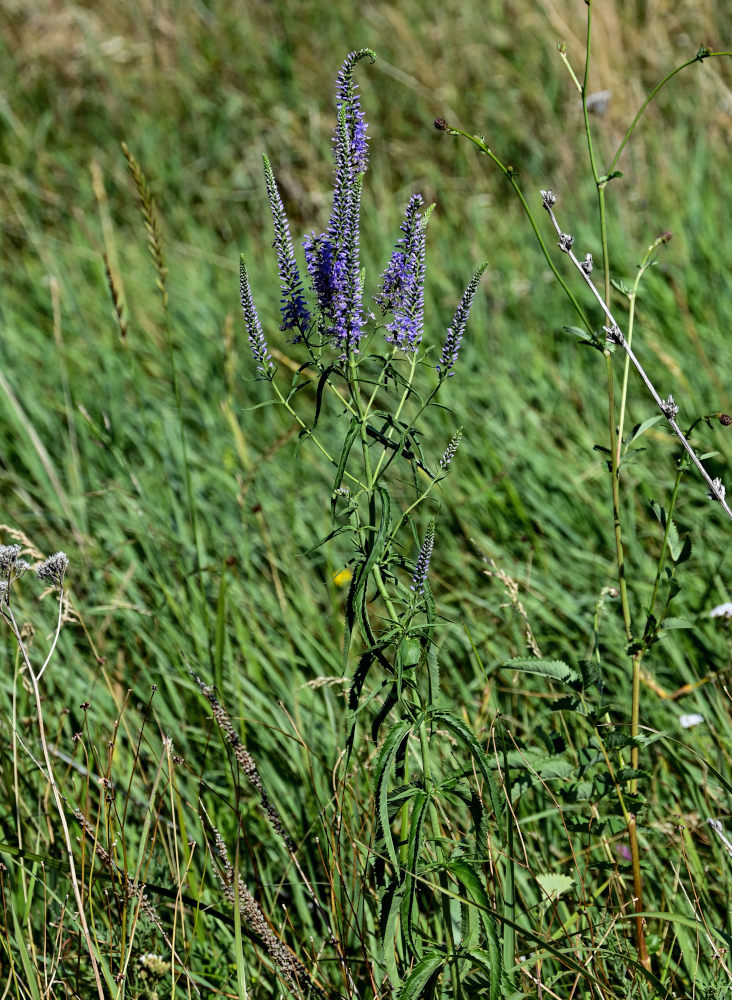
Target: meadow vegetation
[282, 768]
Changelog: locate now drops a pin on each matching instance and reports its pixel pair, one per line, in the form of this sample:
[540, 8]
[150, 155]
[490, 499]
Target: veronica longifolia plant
[370, 365]
[360, 359]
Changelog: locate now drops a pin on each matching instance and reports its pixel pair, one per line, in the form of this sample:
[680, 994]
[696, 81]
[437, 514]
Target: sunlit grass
[92, 463]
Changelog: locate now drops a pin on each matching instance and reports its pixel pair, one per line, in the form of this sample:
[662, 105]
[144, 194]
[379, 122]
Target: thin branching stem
[55, 790]
[616, 336]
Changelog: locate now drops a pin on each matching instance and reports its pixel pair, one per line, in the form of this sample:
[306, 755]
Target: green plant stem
[701, 55]
[316, 441]
[644, 265]
[370, 481]
[600, 182]
[398, 411]
[615, 490]
[664, 544]
[635, 705]
[510, 174]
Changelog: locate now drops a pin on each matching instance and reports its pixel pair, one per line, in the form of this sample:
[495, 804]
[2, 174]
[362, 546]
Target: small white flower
[688, 721]
[721, 611]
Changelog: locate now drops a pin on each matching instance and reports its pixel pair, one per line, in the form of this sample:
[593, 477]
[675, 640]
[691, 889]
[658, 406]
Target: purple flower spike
[402, 283]
[319, 262]
[455, 331]
[423, 560]
[295, 315]
[350, 102]
[332, 258]
[254, 328]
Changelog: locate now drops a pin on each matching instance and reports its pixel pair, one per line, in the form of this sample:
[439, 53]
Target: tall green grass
[92, 462]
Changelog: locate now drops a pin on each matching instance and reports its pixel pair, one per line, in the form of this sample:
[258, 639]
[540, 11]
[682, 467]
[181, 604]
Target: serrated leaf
[484, 959]
[475, 890]
[420, 977]
[556, 670]
[465, 735]
[384, 762]
[678, 622]
[540, 764]
[414, 845]
[675, 546]
[388, 920]
[554, 885]
[686, 550]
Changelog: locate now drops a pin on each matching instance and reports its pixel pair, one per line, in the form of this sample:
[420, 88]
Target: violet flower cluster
[332, 258]
[258, 344]
[402, 283]
[295, 314]
[333, 264]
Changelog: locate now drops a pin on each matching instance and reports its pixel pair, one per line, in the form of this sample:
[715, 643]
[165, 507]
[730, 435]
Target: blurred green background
[199, 91]
[90, 446]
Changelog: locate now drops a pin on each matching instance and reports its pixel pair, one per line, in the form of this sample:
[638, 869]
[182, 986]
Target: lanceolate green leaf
[465, 735]
[420, 804]
[345, 452]
[389, 921]
[555, 670]
[384, 762]
[465, 873]
[422, 974]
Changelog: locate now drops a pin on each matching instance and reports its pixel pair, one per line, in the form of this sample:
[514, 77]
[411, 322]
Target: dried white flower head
[719, 491]
[548, 199]
[53, 569]
[8, 558]
[587, 264]
[566, 242]
[669, 407]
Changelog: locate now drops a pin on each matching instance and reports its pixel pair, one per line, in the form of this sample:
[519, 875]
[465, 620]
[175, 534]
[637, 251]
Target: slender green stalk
[510, 174]
[702, 54]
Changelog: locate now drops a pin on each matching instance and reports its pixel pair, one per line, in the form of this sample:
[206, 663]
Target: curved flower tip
[455, 331]
[350, 139]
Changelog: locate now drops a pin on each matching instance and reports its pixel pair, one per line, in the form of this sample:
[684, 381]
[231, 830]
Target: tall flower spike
[295, 315]
[423, 561]
[455, 331]
[402, 283]
[333, 258]
[254, 328]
